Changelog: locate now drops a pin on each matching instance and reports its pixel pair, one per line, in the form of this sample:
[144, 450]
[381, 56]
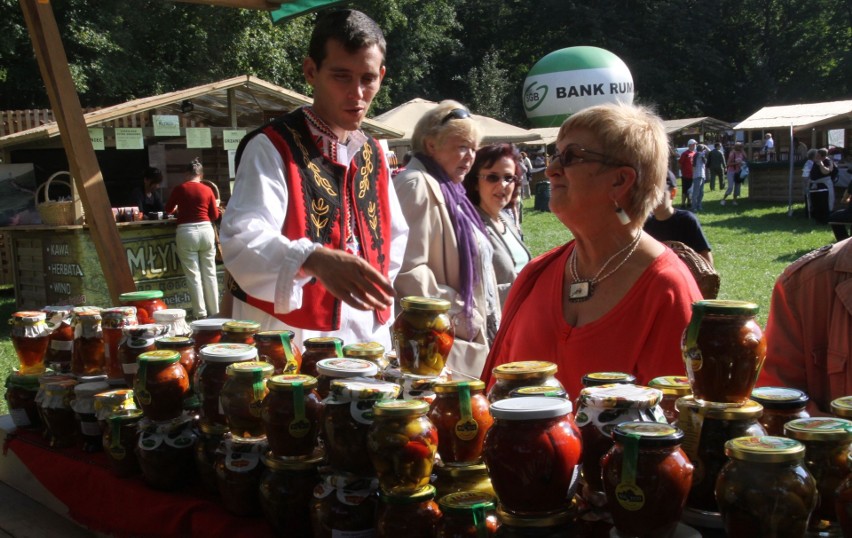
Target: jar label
[291, 367]
[61, 345]
[362, 411]
[20, 417]
[241, 462]
[629, 495]
[691, 422]
[466, 427]
[299, 426]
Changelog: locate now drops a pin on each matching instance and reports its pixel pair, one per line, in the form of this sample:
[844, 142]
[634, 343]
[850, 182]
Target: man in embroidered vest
[313, 235]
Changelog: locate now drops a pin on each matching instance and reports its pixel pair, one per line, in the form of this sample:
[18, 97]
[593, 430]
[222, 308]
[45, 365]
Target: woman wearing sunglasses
[614, 298]
[448, 254]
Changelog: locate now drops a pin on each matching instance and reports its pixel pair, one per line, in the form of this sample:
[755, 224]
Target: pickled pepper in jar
[291, 414]
[207, 331]
[239, 331]
[316, 349]
[467, 514]
[242, 397]
[513, 375]
[211, 375]
[423, 335]
[146, 302]
[161, 385]
[119, 441]
[30, 338]
[460, 412]
[276, 348]
[415, 515]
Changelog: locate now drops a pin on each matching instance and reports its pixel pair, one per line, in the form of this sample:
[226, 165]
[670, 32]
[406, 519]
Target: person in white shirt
[769, 147]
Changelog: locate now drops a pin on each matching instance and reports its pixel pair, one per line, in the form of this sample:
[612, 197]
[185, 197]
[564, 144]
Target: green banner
[299, 7]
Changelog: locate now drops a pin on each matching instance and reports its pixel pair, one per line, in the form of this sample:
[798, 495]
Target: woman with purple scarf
[448, 255]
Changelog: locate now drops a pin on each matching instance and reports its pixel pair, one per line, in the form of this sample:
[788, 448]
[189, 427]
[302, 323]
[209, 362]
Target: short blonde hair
[432, 126]
[634, 135]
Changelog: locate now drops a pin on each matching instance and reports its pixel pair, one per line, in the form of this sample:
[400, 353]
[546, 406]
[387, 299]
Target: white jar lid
[346, 367]
[228, 352]
[170, 314]
[90, 389]
[531, 408]
[209, 324]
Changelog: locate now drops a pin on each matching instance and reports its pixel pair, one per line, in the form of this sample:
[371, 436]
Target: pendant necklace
[582, 289]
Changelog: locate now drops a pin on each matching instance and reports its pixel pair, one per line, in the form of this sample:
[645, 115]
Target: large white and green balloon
[568, 80]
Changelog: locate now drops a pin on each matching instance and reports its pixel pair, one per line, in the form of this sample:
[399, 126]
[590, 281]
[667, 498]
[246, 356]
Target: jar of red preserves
[161, 385]
[276, 348]
[207, 449]
[183, 345]
[239, 331]
[673, 388]
[21, 391]
[423, 335]
[287, 492]
[113, 324]
[780, 406]
[30, 338]
[558, 525]
[344, 506]
[552, 392]
[175, 320]
[368, 351]
[57, 413]
[467, 514]
[120, 439]
[207, 331]
[646, 478]
[111, 402]
[146, 302]
[724, 350]
[211, 375]
[165, 452]
[84, 407]
[532, 452]
[238, 472]
[328, 369]
[88, 358]
[61, 340]
[414, 516]
[242, 396]
[460, 413]
[461, 478]
[137, 340]
[513, 375]
[291, 415]
[842, 407]
[316, 349]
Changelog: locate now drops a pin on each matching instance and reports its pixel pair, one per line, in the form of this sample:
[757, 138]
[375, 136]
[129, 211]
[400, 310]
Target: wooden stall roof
[706, 123]
[827, 115]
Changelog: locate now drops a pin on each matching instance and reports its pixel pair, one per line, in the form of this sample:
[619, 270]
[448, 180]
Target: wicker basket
[215, 189]
[59, 213]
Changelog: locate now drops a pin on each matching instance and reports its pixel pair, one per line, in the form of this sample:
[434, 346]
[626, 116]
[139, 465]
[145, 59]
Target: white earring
[622, 215]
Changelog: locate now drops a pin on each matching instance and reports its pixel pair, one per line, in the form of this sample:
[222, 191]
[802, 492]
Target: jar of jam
[551, 392]
[513, 375]
[287, 492]
[291, 415]
[48, 377]
[347, 418]
[111, 402]
[276, 348]
[328, 369]
[239, 331]
[113, 324]
[183, 345]
[207, 331]
[707, 427]
[88, 358]
[646, 478]
[57, 413]
[532, 452]
[211, 375]
[165, 451]
[764, 489]
[402, 443]
[460, 412]
[724, 350]
[21, 391]
[175, 320]
[423, 335]
[238, 472]
[137, 340]
[826, 441]
[242, 396]
[467, 514]
[414, 516]
[84, 406]
[146, 302]
[30, 338]
[673, 388]
[558, 525]
[780, 406]
[161, 384]
[316, 349]
[207, 449]
[842, 407]
[344, 506]
[601, 409]
[368, 351]
[461, 478]
[61, 340]
[119, 441]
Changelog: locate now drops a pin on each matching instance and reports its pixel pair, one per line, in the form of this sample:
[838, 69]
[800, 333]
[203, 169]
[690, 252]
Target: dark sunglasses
[494, 178]
[574, 154]
[456, 114]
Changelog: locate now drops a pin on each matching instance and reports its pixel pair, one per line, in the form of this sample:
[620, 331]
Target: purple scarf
[465, 220]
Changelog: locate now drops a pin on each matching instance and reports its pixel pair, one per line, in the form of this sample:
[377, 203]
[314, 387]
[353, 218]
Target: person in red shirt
[197, 209]
[686, 173]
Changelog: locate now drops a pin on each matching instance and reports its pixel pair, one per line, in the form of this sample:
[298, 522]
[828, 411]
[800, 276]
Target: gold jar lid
[555, 519]
[465, 502]
[747, 411]
[524, 370]
[764, 449]
[445, 387]
[323, 342]
[720, 307]
[779, 398]
[241, 326]
[400, 408]
[301, 463]
[842, 407]
[819, 429]
[250, 369]
[672, 385]
[595, 379]
[424, 304]
[174, 342]
[426, 493]
[364, 349]
[288, 382]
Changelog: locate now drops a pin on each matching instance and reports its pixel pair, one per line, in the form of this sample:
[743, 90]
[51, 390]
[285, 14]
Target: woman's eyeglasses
[494, 178]
[456, 114]
[574, 154]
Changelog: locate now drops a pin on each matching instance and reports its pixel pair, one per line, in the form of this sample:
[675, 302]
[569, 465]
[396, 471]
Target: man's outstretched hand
[350, 278]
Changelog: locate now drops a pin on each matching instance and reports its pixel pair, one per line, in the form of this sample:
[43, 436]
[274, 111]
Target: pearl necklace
[582, 289]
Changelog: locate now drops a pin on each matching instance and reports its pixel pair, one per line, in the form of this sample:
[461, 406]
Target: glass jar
[596, 379]
[600, 410]
[30, 338]
[242, 396]
[414, 516]
[165, 451]
[175, 320]
[137, 340]
[316, 349]
[110, 402]
[460, 413]
[368, 351]
[238, 472]
[146, 302]
[211, 375]
[673, 388]
[764, 489]
[291, 415]
[558, 525]
[842, 407]
[239, 331]
[57, 413]
[183, 345]
[113, 324]
[551, 392]
[276, 348]
[21, 391]
[463, 478]
[423, 335]
[707, 427]
[843, 501]
[43, 380]
[724, 350]
[780, 406]
[344, 506]
[61, 340]
[287, 492]
[513, 375]
[420, 387]
[88, 357]
[467, 514]
[346, 420]
[337, 368]
[210, 437]
[119, 441]
[402, 443]
[646, 478]
[207, 331]
[826, 441]
[84, 407]
[161, 385]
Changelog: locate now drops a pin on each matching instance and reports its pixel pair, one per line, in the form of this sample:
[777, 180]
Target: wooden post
[78, 146]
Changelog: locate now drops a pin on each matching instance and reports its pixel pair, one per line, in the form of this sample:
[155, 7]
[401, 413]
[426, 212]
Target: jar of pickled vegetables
[414, 516]
[467, 514]
[552, 392]
[843, 501]
[842, 407]
[646, 478]
[207, 331]
[513, 375]
[724, 349]
[211, 375]
[344, 506]
[673, 388]
[460, 413]
[57, 413]
[596, 379]
[242, 396]
[165, 451]
[423, 335]
[239, 331]
[328, 369]
[276, 348]
[402, 443]
[207, 450]
[316, 349]
[113, 323]
[368, 351]
[183, 345]
[238, 472]
[287, 492]
[61, 340]
[137, 340]
[30, 338]
[291, 415]
[780, 406]
[84, 407]
[20, 396]
[461, 478]
[764, 489]
[88, 357]
[558, 525]
[175, 320]
[119, 441]
[161, 384]
[146, 302]
[111, 402]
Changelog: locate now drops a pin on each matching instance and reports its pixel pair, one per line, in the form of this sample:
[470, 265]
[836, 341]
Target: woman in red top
[196, 242]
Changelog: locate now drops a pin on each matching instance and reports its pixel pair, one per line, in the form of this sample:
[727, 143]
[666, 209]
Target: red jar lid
[532, 408]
